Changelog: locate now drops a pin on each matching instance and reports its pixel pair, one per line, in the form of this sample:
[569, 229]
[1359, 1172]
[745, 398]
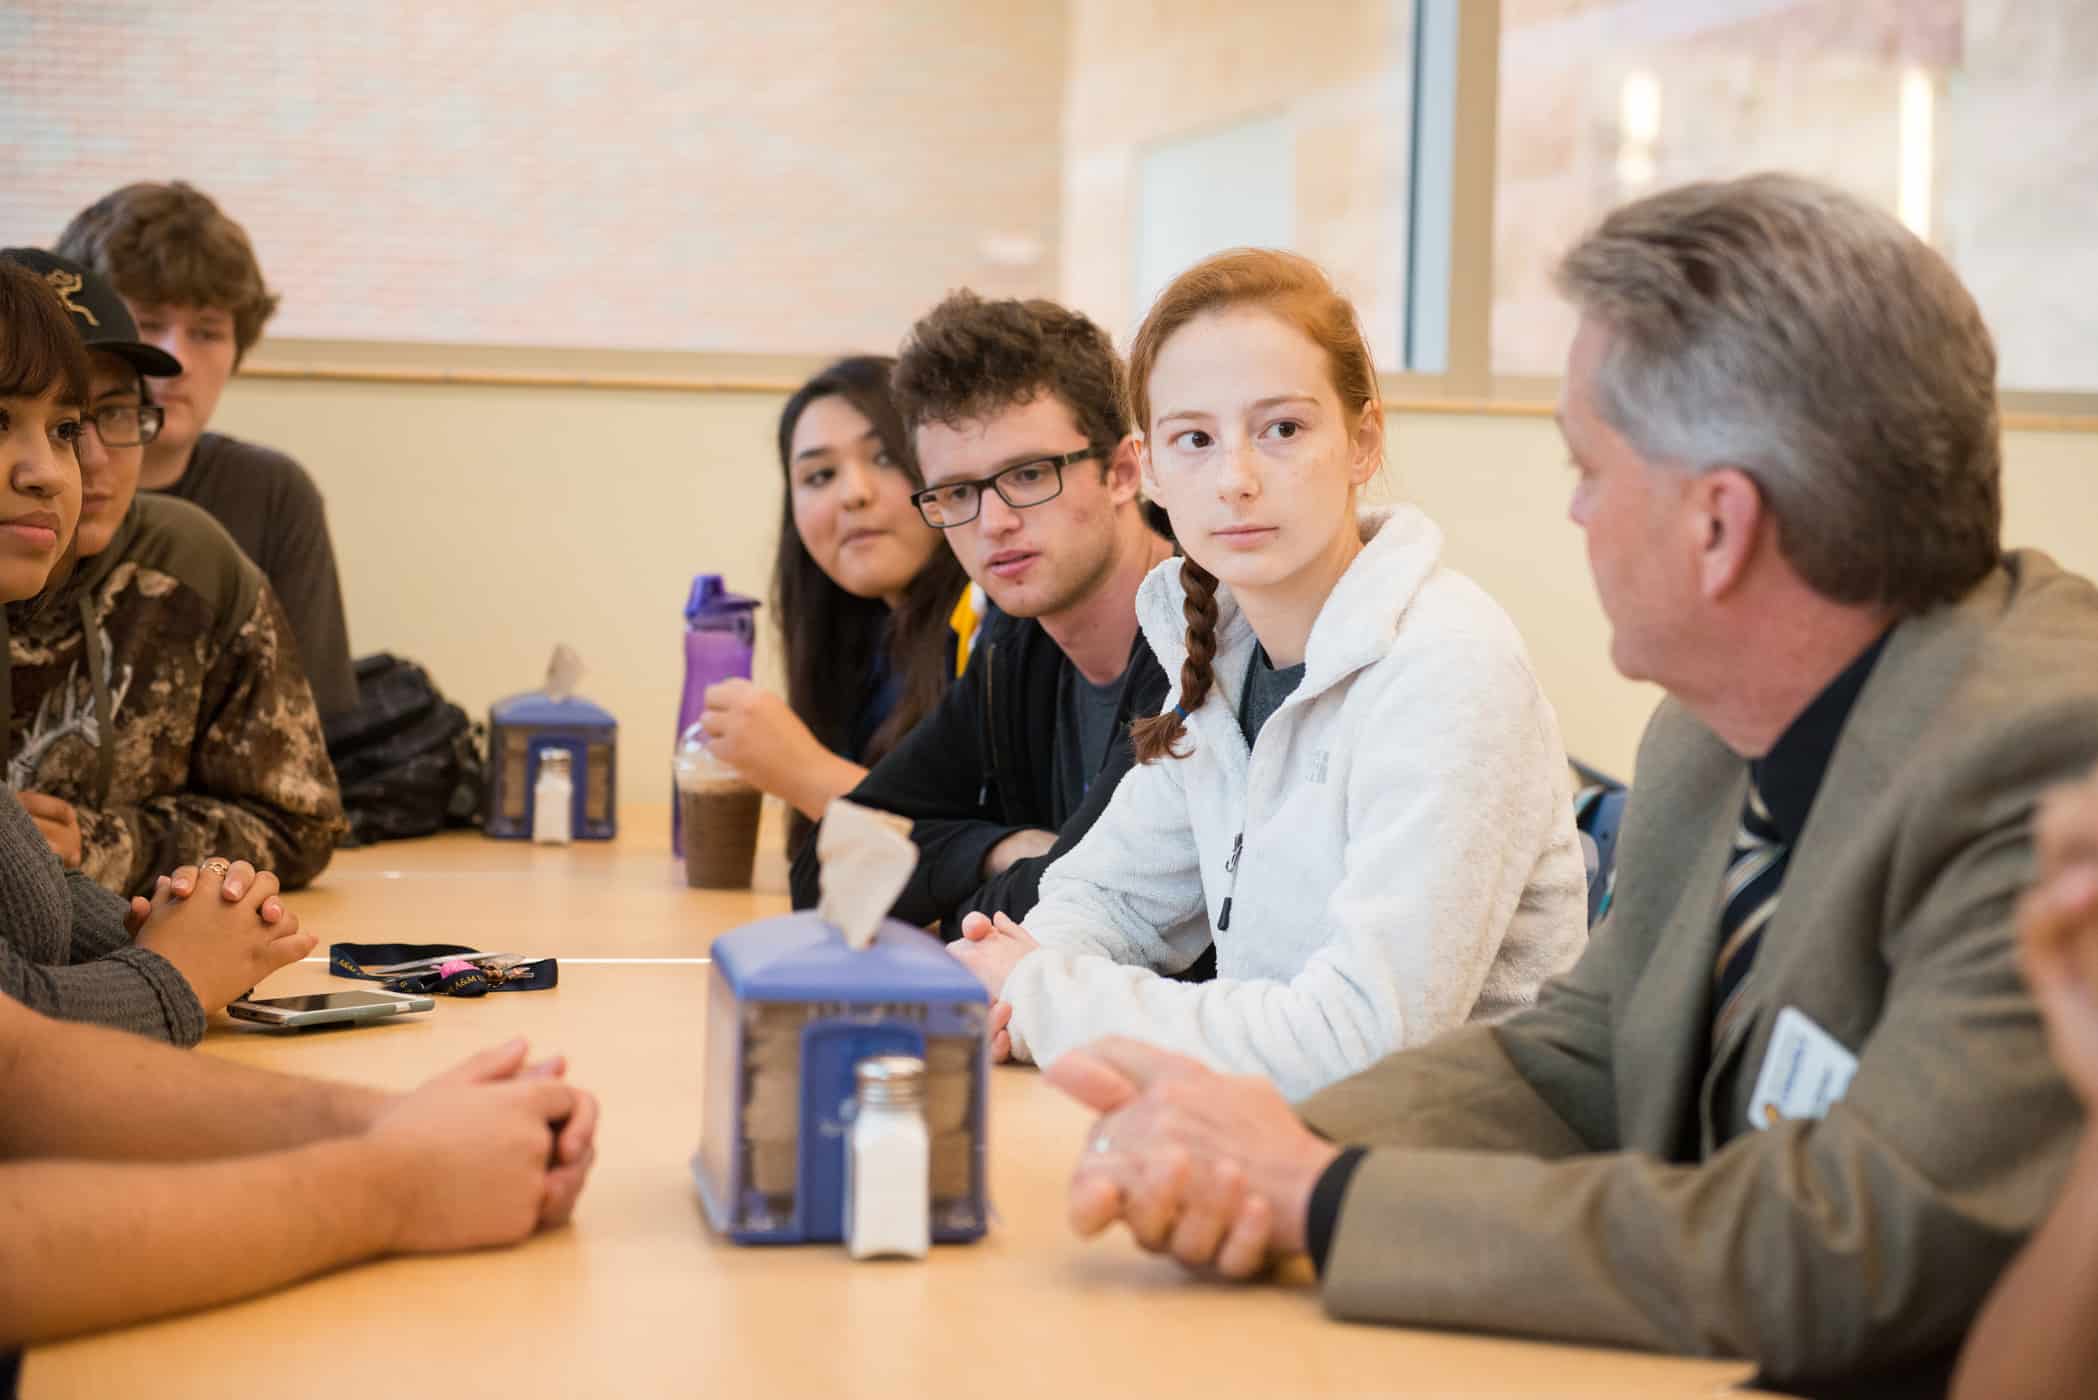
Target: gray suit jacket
[1557, 1175]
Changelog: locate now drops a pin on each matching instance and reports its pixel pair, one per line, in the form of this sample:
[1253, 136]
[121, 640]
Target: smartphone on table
[325, 1009]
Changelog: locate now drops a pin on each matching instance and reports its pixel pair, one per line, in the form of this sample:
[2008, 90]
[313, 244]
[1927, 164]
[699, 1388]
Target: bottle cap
[890, 1079]
[711, 598]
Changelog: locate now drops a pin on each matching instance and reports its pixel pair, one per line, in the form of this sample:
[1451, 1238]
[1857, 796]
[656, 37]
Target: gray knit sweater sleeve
[132, 990]
[98, 919]
[64, 951]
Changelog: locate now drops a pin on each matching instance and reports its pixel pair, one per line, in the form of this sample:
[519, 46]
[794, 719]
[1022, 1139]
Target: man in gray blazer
[1794, 1103]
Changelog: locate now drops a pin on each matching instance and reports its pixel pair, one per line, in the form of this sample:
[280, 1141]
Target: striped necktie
[1753, 873]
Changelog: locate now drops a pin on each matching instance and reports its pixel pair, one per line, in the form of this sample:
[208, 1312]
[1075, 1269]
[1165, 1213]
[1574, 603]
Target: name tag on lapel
[1805, 1071]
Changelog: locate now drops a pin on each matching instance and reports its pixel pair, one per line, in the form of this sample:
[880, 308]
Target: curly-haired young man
[1016, 412]
[193, 284]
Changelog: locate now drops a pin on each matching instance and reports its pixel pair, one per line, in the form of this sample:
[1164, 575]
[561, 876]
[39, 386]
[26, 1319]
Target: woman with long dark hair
[864, 593]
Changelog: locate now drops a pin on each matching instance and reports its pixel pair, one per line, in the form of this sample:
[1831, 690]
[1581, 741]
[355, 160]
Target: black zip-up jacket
[982, 766]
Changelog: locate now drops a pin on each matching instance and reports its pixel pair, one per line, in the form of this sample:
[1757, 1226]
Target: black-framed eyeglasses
[1020, 485]
[127, 424]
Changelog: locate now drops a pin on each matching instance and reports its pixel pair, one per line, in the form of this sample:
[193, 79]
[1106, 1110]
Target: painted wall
[478, 526]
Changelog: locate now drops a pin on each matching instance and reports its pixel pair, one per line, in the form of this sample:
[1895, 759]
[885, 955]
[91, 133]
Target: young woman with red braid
[1357, 791]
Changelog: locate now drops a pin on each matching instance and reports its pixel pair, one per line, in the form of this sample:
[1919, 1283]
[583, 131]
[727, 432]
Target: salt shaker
[553, 797]
[888, 1185]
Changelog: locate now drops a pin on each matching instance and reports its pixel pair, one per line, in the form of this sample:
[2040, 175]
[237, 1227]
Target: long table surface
[625, 898]
[639, 1298]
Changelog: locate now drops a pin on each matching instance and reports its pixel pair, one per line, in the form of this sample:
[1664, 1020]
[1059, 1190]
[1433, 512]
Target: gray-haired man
[1794, 1103]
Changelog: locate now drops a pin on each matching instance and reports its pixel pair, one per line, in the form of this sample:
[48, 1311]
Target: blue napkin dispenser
[791, 1010]
[523, 727]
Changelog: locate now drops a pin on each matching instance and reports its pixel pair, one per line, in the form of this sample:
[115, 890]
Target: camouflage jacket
[187, 729]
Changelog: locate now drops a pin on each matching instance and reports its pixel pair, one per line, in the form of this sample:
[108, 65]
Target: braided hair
[1159, 736]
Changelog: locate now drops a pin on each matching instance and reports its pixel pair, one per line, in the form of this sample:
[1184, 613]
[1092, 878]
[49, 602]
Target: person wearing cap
[191, 279]
[158, 712]
[69, 948]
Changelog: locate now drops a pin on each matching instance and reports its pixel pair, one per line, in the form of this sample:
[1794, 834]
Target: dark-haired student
[209, 1181]
[159, 712]
[68, 946]
[863, 593]
[1019, 431]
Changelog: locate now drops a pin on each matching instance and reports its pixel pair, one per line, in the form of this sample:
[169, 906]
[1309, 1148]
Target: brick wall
[809, 175]
[790, 177]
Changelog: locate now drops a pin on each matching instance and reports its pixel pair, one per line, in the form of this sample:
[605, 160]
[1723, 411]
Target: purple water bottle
[721, 630]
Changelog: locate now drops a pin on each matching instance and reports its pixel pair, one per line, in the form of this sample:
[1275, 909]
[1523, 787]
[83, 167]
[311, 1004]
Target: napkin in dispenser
[794, 1006]
[524, 728]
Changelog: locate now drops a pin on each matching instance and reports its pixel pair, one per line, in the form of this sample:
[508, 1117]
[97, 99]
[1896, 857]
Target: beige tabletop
[593, 899]
[638, 1297]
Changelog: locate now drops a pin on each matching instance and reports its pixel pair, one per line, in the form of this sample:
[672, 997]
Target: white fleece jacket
[1408, 859]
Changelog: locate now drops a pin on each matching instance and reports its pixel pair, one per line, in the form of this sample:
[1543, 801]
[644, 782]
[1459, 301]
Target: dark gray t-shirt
[1266, 689]
[1085, 722]
[274, 513]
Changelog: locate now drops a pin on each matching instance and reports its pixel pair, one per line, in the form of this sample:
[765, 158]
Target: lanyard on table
[446, 969]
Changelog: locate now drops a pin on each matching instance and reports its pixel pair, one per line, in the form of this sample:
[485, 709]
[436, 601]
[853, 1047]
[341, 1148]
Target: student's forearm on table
[811, 789]
[2034, 1339]
[87, 1245]
[1028, 843]
[83, 1091]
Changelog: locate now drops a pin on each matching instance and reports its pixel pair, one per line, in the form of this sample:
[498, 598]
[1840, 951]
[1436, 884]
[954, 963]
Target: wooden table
[594, 899]
[639, 1298]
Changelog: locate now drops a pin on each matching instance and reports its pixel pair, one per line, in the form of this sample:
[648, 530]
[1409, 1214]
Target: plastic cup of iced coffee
[719, 812]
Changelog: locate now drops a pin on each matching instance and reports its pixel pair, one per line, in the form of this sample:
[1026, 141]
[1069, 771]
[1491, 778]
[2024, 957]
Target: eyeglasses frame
[1068, 459]
[151, 419]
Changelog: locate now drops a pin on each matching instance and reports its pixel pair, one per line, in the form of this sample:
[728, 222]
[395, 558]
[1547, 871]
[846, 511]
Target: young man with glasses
[1016, 413]
[158, 713]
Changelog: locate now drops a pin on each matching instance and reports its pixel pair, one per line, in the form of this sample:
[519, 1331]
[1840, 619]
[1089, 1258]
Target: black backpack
[408, 760]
